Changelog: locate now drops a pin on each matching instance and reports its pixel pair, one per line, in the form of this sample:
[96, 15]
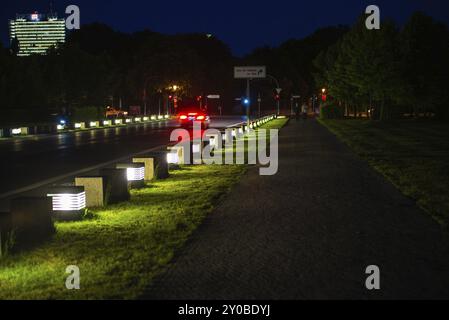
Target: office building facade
[35, 33]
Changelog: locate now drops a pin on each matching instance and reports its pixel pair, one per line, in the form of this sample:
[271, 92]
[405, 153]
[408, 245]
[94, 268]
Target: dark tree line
[292, 62]
[99, 66]
[391, 71]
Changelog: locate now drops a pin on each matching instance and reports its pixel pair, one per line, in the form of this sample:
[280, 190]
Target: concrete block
[95, 189]
[79, 126]
[150, 167]
[117, 188]
[94, 124]
[176, 155]
[160, 164]
[6, 234]
[135, 173]
[23, 131]
[31, 221]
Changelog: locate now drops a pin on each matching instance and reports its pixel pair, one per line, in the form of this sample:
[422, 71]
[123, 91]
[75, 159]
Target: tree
[362, 69]
[425, 48]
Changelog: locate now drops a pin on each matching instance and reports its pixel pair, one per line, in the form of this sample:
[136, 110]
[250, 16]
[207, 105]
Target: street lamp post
[248, 107]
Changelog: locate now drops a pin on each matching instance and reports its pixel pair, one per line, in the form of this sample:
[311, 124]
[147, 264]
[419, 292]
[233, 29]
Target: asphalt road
[310, 232]
[28, 161]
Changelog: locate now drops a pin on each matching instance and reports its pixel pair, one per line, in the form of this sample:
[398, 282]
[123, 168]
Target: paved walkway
[310, 232]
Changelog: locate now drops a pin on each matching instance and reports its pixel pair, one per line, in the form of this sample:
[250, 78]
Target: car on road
[189, 116]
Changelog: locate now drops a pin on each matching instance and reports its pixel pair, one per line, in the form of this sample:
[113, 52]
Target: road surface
[32, 160]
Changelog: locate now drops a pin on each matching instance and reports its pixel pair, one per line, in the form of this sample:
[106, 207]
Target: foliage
[79, 114]
[382, 70]
[331, 110]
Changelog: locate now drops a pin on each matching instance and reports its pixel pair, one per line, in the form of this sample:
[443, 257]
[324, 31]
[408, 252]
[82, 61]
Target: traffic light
[199, 98]
[245, 101]
[277, 97]
[170, 97]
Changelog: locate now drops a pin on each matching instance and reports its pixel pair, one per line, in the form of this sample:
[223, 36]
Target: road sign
[279, 90]
[213, 96]
[257, 72]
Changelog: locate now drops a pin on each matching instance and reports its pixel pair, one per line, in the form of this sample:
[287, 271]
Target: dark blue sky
[243, 25]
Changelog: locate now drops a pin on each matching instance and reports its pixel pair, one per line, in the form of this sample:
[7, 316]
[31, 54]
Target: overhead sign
[257, 72]
[213, 96]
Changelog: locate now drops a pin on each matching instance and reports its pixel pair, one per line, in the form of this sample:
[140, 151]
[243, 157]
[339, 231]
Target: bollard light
[107, 122]
[134, 171]
[135, 174]
[175, 155]
[137, 119]
[167, 116]
[128, 120]
[172, 158]
[118, 121]
[160, 117]
[153, 118]
[66, 199]
[93, 124]
[146, 118]
[78, 125]
[16, 131]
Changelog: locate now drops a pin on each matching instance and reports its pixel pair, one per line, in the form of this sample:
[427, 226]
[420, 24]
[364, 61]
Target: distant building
[35, 33]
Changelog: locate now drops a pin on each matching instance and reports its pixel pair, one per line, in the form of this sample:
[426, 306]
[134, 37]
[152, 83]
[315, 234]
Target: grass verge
[413, 155]
[123, 247]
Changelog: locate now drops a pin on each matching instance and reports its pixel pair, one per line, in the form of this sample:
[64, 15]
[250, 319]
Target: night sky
[243, 25]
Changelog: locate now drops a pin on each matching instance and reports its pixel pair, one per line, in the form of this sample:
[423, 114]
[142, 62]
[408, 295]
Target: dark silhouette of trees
[389, 71]
[292, 62]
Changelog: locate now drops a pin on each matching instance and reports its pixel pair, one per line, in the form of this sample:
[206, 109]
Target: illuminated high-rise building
[35, 33]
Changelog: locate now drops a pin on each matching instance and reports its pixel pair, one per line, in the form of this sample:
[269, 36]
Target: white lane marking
[68, 175]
